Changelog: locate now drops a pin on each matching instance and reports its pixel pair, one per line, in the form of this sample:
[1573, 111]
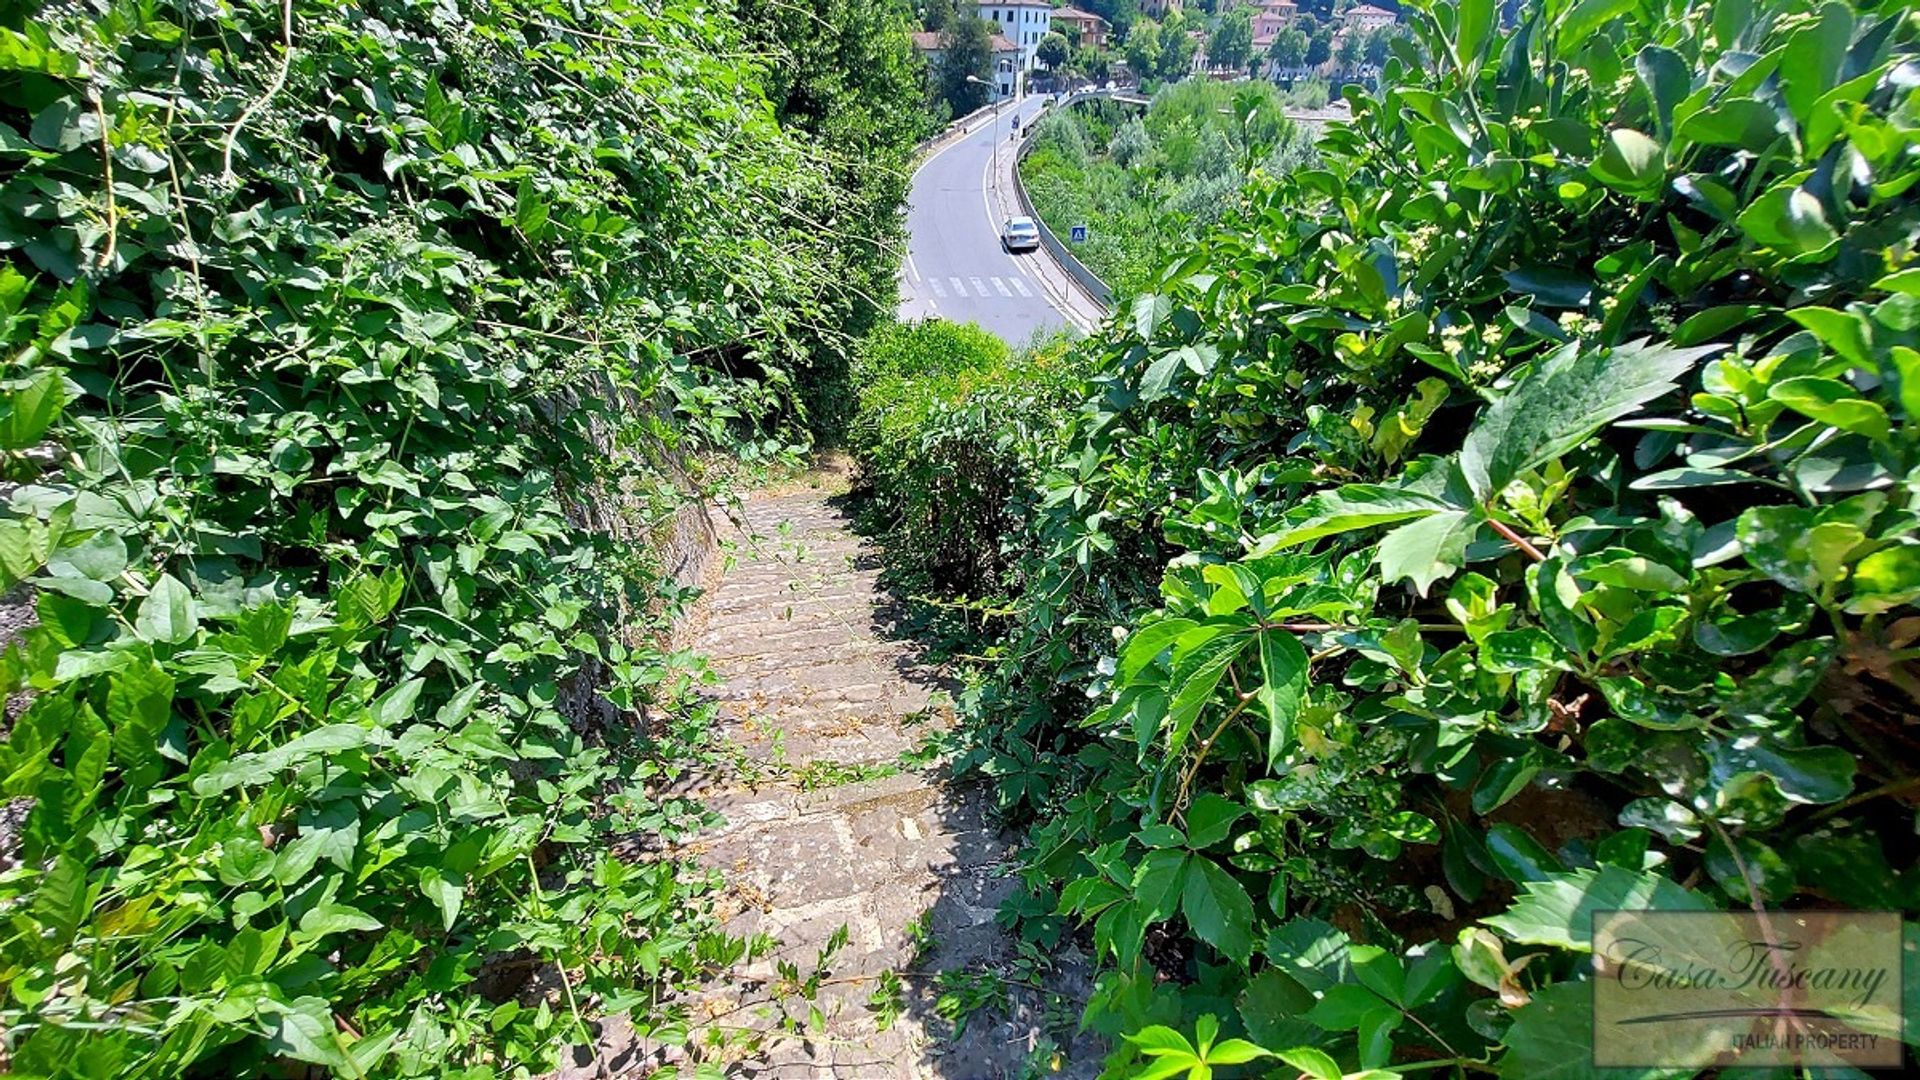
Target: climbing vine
[1509, 518]
[354, 354]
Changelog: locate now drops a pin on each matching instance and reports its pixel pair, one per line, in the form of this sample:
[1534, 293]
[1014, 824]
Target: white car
[1020, 234]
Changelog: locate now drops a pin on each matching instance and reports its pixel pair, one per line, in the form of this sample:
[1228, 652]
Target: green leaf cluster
[358, 361]
[1559, 421]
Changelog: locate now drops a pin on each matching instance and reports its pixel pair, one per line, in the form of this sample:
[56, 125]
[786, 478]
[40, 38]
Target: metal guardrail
[1062, 254]
[961, 126]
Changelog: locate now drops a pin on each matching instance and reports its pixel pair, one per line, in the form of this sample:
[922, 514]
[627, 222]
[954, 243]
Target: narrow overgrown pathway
[876, 879]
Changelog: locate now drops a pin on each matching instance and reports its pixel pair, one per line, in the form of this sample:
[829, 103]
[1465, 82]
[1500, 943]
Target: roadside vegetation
[1507, 517]
[1147, 186]
[359, 359]
[944, 414]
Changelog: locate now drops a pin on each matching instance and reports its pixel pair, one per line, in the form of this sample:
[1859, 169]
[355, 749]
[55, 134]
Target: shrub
[1514, 512]
[945, 414]
[348, 350]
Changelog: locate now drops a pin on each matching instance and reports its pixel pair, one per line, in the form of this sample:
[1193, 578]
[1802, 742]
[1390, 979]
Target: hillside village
[979, 52]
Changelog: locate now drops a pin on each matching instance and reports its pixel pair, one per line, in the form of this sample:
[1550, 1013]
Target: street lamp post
[992, 88]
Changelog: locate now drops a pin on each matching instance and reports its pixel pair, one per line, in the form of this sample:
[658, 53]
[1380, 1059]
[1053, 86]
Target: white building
[1366, 18]
[1024, 22]
[1006, 60]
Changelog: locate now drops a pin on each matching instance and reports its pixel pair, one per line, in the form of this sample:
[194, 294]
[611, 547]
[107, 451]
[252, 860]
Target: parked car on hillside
[1020, 234]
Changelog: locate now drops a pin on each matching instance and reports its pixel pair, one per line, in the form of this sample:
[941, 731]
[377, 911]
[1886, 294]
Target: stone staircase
[875, 878]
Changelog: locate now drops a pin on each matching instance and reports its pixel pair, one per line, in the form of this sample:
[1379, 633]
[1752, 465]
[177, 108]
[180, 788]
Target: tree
[968, 52]
[1143, 48]
[935, 15]
[847, 75]
[1379, 43]
[1177, 49]
[1232, 44]
[1350, 51]
[1289, 48]
[1121, 13]
[1130, 144]
[1320, 47]
[1052, 51]
[1096, 64]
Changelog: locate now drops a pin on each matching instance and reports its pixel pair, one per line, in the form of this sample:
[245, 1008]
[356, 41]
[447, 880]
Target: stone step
[817, 688]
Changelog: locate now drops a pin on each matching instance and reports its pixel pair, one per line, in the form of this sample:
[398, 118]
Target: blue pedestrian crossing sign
[1079, 234]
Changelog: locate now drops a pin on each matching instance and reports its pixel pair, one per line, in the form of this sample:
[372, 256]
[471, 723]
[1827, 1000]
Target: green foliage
[1510, 517]
[963, 75]
[1231, 45]
[349, 357]
[842, 75]
[1146, 186]
[935, 400]
[1052, 51]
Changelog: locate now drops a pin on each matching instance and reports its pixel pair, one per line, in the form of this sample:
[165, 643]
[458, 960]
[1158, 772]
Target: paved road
[955, 268]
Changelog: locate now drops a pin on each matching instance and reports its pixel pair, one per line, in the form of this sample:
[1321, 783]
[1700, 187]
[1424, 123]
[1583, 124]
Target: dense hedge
[1146, 185]
[349, 349]
[1513, 516]
[945, 420]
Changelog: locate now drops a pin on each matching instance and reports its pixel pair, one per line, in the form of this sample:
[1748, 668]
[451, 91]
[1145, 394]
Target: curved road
[956, 269]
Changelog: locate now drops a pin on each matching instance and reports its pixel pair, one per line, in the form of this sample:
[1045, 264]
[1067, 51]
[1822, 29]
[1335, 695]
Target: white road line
[979, 288]
[1002, 286]
[1062, 305]
[912, 269]
[938, 289]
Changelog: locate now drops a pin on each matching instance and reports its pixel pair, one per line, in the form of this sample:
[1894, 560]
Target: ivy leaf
[1210, 819]
[32, 409]
[1218, 909]
[1425, 551]
[1568, 397]
[1558, 909]
[445, 893]
[167, 613]
[303, 1029]
[1283, 686]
